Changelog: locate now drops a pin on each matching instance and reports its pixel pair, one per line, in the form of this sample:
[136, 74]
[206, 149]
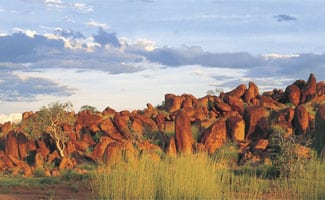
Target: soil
[57, 191]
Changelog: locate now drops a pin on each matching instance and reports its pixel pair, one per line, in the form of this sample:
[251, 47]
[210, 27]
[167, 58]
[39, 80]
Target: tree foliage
[50, 120]
[88, 107]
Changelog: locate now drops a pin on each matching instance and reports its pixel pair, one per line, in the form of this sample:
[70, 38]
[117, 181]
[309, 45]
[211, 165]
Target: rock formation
[183, 125]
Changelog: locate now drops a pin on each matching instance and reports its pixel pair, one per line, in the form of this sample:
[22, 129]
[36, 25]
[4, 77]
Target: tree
[50, 120]
[88, 107]
[215, 92]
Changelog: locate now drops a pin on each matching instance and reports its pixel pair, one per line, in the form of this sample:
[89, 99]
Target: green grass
[200, 176]
[23, 181]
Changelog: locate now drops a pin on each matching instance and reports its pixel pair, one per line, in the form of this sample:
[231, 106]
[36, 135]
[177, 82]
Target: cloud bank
[24, 55]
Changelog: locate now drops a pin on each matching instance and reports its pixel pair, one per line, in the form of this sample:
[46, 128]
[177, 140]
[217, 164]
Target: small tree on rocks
[50, 120]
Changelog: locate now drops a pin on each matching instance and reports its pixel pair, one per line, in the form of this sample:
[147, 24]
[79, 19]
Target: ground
[47, 191]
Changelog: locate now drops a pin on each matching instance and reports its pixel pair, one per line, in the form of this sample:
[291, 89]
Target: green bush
[284, 155]
[39, 172]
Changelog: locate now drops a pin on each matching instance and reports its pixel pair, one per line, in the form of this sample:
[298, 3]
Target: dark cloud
[196, 56]
[69, 34]
[18, 47]
[19, 52]
[281, 18]
[294, 67]
[14, 88]
[104, 38]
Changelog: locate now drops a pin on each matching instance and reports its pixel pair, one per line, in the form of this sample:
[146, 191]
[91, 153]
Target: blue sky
[125, 53]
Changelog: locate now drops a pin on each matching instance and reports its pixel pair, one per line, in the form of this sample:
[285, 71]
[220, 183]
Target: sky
[126, 53]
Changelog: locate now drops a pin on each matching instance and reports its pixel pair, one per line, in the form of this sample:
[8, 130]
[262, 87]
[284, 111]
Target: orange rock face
[26, 115]
[100, 148]
[6, 128]
[110, 130]
[172, 102]
[237, 93]
[87, 119]
[236, 104]
[261, 144]
[113, 154]
[183, 133]
[22, 146]
[253, 117]
[309, 90]
[222, 107]
[236, 128]
[122, 124]
[293, 93]
[12, 145]
[251, 92]
[301, 119]
[215, 136]
[109, 137]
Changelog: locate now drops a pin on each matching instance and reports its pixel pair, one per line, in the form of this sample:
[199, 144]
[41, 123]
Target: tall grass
[201, 176]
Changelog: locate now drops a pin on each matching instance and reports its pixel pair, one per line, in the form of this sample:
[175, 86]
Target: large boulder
[113, 154]
[251, 93]
[222, 107]
[22, 146]
[183, 133]
[301, 120]
[99, 150]
[292, 94]
[236, 128]
[42, 149]
[6, 128]
[309, 90]
[236, 104]
[110, 130]
[122, 121]
[271, 104]
[12, 148]
[256, 122]
[320, 88]
[67, 163]
[26, 115]
[188, 101]
[236, 93]
[215, 136]
[172, 102]
[87, 119]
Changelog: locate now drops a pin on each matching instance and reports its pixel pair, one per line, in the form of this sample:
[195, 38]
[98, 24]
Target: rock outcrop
[183, 125]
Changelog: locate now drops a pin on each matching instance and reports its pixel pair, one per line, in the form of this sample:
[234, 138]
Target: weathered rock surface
[301, 119]
[183, 133]
[215, 136]
[183, 125]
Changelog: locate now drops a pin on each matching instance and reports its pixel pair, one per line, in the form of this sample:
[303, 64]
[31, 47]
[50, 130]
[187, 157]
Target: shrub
[284, 155]
[39, 172]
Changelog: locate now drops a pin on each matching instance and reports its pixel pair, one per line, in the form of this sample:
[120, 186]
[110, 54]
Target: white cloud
[58, 4]
[28, 32]
[97, 24]
[139, 44]
[82, 7]
[279, 56]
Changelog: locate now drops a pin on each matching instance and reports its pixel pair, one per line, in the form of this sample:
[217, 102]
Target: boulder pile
[184, 124]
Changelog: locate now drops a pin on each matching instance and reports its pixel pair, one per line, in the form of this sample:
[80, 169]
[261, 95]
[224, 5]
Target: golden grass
[201, 177]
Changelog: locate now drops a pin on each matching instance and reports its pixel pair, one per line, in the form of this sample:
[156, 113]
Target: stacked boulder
[183, 125]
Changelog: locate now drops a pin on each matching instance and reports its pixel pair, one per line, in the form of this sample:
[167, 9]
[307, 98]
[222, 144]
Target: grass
[6, 180]
[200, 176]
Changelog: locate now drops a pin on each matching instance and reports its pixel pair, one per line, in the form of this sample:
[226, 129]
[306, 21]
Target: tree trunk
[60, 149]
